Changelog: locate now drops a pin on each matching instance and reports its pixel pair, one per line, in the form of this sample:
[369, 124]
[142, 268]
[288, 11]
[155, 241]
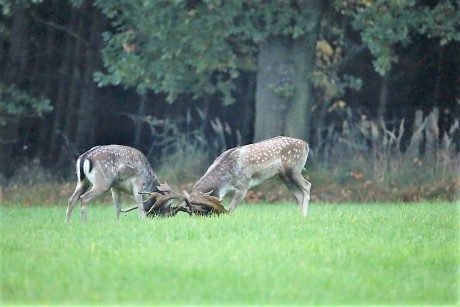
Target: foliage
[261, 255]
[180, 47]
[330, 83]
[196, 48]
[15, 102]
[7, 5]
[386, 24]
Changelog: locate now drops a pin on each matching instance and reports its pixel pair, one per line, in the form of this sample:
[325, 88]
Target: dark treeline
[53, 108]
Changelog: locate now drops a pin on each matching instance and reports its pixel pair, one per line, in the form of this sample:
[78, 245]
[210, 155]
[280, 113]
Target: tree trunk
[48, 80]
[85, 133]
[76, 84]
[246, 121]
[138, 124]
[16, 64]
[284, 92]
[299, 112]
[437, 84]
[274, 72]
[70, 151]
[383, 98]
[63, 90]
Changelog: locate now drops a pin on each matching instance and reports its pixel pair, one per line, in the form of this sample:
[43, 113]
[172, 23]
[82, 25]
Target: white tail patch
[86, 170]
[78, 169]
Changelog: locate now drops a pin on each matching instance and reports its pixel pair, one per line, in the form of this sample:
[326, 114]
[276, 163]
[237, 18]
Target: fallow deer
[241, 168]
[119, 169]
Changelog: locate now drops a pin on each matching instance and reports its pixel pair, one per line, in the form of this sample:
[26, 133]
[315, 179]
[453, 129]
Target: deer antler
[210, 202]
[166, 194]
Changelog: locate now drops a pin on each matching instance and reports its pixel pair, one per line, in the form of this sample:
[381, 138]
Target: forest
[375, 83]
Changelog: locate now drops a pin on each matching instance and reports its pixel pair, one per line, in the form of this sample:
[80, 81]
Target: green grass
[262, 254]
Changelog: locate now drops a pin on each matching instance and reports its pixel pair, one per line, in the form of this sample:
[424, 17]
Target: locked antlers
[165, 194]
[200, 203]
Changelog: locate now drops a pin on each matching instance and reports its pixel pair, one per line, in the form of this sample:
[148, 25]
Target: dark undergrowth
[360, 162]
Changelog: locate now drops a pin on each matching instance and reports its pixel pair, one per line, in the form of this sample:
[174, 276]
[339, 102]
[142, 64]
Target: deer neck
[151, 186]
[220, 175]
[206, 184]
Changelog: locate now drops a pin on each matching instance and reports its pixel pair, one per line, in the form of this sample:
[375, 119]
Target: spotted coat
[241, 168]
[116, 168]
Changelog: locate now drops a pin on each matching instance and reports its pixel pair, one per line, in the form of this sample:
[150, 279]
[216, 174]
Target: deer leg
[89, 195]
[294, 189]
[116, 196]
[81, 187]
[239, 195]
[299, 186]
[305, 187]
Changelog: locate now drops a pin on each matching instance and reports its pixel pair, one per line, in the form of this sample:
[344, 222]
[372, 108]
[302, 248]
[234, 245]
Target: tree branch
[60, 28]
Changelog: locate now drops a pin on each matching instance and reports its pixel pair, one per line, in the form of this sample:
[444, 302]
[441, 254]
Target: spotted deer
[241, 168]
[119, 169]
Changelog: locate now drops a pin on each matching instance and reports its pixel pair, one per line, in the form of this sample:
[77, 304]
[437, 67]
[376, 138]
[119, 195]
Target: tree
[385, 25]
[285, 65]
[85, 132]
[200, 48]
[389, 26]
[16, 101]
[208, 54]
[48, 57]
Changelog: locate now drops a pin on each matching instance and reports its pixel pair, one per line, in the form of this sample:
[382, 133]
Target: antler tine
[166, 194]
[209, 201]
[165, 188]
[151, 195]
[181, 208]
[187, 202]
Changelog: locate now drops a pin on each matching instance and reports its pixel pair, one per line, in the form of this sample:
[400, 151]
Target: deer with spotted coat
[119, 169]
[241, 168]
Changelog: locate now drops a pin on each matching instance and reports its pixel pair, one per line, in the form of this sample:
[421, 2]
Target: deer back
[249, 165]
[280, 151]
[118, 166]
[219, 175]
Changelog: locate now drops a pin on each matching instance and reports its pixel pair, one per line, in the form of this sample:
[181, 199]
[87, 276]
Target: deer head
[162, 201]
[204, 204]
[199, 203]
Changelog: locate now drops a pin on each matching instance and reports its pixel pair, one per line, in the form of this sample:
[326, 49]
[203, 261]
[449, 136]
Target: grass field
[262, 254]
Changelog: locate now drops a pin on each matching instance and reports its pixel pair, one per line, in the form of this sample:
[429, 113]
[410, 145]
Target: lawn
[262, 254]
